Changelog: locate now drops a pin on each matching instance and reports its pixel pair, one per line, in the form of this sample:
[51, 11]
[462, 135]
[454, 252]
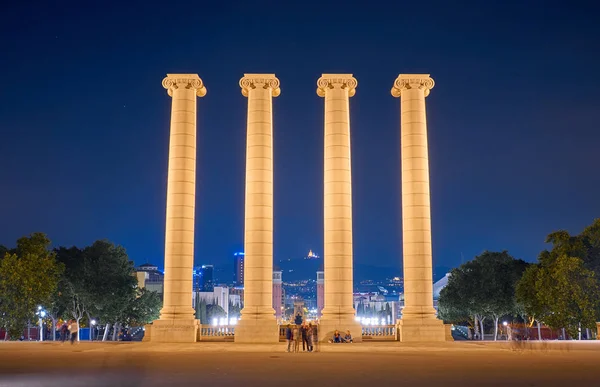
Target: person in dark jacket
[304, 332]
[64, 332]
[309, 333]
[289, 336]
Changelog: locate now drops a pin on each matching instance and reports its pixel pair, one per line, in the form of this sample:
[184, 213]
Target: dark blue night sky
[513, 120]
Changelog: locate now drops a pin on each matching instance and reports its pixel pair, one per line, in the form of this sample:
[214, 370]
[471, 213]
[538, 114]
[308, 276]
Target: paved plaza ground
[362, 364]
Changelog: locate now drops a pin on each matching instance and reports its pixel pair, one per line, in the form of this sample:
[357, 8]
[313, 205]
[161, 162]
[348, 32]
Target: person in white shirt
[74, 330]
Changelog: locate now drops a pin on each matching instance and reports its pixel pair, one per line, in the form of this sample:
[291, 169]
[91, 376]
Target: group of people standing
[305, 333]
[68, 331]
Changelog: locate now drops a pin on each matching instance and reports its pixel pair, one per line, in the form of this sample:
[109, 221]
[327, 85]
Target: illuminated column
[257, 323]
[338, 312]
[177, 322]
[419, 321]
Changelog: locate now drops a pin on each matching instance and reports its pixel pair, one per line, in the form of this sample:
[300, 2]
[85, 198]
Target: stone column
[177, 322]
[338, 312]
[257, 323]
[419, 321]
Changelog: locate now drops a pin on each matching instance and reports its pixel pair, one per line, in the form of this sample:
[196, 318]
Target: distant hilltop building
[311, 255]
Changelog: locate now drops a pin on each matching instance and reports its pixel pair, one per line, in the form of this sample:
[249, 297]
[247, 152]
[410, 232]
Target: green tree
[388, 313]
[529, 307]
[360, 309]
[72, 295]
[110, 283]
[585, 246]
[550, 292]
[501, 273]
[481, 288]
[201, 310]
[462, 299]
[144, 309]
[567, 295]
[28, 277]
[215, 311]
[234, 310]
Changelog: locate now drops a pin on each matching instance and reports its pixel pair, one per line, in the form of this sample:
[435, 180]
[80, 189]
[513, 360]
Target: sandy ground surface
[365, 364]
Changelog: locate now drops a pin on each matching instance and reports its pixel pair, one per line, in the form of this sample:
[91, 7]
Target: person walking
[74, 330]
[64, 332]
[297, 337]
[289, 336]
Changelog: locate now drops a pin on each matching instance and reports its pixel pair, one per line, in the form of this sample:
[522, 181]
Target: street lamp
[92, 323]
[42, 314]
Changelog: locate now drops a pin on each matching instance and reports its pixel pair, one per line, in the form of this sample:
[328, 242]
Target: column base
[328, 324]
[173, 331]
[415, 330]
[256, 331]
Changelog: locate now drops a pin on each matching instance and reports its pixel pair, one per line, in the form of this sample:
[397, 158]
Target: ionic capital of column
[412, 81]
[266, 81]
[332, 81]
[187, 81]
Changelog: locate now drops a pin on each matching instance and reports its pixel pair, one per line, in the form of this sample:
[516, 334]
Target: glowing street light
[93, 324]
[42, 314]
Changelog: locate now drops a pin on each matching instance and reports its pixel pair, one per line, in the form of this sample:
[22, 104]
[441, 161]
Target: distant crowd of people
[308, 335]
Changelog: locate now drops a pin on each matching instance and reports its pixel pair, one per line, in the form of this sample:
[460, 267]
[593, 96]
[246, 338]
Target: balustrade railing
[210, 332]
[380, 332]
[226, 333]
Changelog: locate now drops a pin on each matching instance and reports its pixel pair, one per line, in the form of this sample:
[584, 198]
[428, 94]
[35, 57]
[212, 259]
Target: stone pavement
[364, 347]
[367, 364]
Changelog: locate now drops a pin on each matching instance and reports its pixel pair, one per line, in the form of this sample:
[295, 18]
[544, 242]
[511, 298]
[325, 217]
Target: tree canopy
[562, 290]
[481, 288]
[29, 276]
[71, 283]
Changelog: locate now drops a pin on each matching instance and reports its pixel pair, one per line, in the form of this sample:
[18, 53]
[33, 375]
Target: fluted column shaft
[258, 238]
[416, 212]
[181, 195]
[338, 281]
